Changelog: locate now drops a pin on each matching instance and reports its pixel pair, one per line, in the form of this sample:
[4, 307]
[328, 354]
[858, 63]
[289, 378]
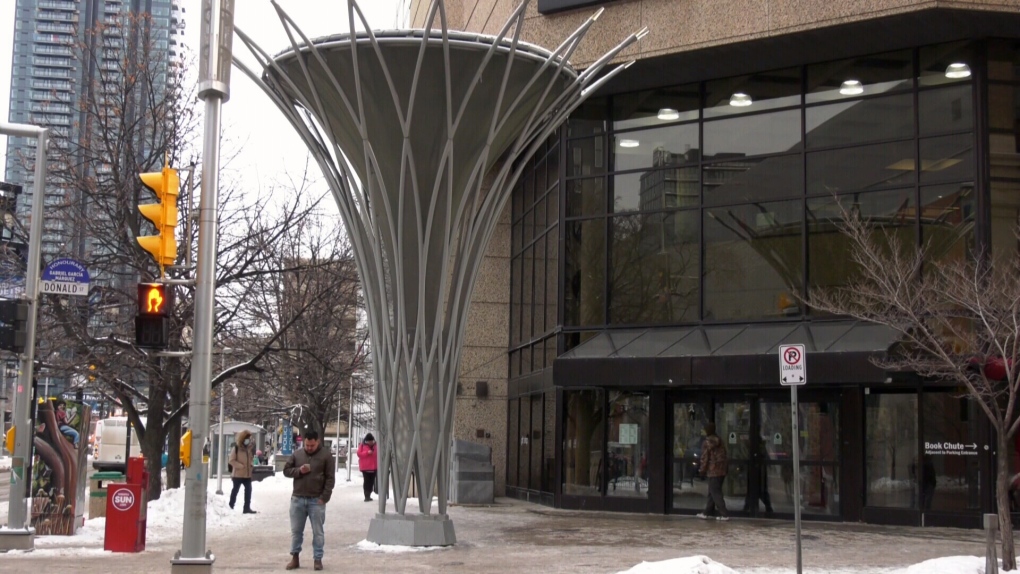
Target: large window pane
[872, 74]
[759, 134]
[947, 221]
[524, 460]
[539, 325]
[583, 443]
[1004, 148]
[753, 260]
[830, 251]
[527, 295]
[627, 472]
[935, 62]
[762, 91]
[747, 180]
[947, 158]
[819, 455]
[515, 300]
[654, 107]
[584, 299]
[655, 268]
[586, 197]
[514, 442]
[854, 122]
[860, 168]
[552, 270]
[586, 156]
[537, 441]
[690, 490]
[672, 145]
[890, 449]
[656, 189]
[949, 474]
[549, 442]
[945, 110]
[588, 119]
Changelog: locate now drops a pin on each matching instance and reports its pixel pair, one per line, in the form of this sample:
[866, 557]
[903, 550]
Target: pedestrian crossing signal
[152, 324]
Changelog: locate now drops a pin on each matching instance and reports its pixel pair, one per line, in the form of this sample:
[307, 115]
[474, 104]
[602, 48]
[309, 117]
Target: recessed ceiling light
[958, 70]
[851, 88]
[667, 114]
[740, 100]
[629, 143]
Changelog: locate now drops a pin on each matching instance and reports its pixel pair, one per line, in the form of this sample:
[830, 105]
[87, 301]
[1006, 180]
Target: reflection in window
[585, 273]
[753, 260]
[891, 214]
[586, 157]
[627, 462]
[948, 476]
[947, 221]
[867, 75]
[747, 180]
[945, 110]
[655, 107]
[655, 268]
[536, 441]
[660, 147]
[854, 122]
[549, 442]
[946, 64]
[656, 189]
[760, 134]
[763, 91]
[1004, 155]
[524, 443]
[947, 158]
[890, 449]
[589, 119]
[860, 168]
[582, 443]
[513, 433]
[689, 489]
[586, 197]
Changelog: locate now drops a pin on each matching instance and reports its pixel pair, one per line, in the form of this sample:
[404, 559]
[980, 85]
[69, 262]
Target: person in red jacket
[368, 462]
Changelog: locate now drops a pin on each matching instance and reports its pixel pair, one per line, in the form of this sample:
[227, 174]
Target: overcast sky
[251, 122]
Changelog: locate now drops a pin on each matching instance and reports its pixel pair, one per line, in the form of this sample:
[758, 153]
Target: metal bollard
[991, 560]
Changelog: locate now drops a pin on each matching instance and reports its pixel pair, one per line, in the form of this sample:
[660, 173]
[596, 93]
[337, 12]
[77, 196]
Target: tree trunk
[1002, 500]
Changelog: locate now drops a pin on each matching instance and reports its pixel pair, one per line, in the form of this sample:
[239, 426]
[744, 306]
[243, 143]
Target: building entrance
[756, 431]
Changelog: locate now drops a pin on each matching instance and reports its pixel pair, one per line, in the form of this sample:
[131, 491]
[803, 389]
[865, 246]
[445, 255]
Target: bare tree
[959, 317]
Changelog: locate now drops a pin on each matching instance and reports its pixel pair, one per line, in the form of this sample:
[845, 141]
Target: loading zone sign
[792, 368]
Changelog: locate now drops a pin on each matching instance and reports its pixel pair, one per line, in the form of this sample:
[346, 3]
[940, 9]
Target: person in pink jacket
[368, 462]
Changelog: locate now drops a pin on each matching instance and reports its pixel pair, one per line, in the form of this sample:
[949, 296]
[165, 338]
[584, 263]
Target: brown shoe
[317, 565]
[294, 562]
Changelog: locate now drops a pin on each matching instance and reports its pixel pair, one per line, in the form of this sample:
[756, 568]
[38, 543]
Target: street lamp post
[219, 454]
[350, 429]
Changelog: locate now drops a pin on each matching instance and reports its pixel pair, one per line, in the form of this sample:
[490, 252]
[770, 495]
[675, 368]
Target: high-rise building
[48, 77]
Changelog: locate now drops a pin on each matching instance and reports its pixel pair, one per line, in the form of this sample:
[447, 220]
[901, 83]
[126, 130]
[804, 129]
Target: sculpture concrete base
[17, 539]
[180, 565]
[413, 530]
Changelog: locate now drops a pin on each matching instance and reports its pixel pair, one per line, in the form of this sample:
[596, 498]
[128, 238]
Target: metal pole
[350, 431]
[3, 409]
[796, 472]
[336, 459]
[219, 452]
[213, 87]
[17, 512]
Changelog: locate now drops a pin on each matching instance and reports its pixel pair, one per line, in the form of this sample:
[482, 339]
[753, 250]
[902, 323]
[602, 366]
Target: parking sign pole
[796, 472]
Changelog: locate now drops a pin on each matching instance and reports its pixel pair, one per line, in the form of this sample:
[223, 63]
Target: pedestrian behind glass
[313, 472]
[714, 465]
[242, 463]
[368, 463]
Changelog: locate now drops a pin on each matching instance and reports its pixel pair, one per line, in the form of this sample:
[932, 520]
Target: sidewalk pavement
[515, 536]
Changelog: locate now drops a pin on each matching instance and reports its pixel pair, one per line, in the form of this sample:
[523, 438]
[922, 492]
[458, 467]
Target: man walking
[714, 465]
[312, 469]
[242, 463]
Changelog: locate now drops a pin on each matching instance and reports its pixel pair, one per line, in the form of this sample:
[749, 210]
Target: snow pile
[705, 565]
[393, 549]
[948, 565]
[5, 463]
[688, 565]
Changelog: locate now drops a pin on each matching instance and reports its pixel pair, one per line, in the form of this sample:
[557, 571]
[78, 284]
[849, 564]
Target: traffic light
[163, 214]
[152, 323]
[186, 449]
[13, 325]
[10, 440]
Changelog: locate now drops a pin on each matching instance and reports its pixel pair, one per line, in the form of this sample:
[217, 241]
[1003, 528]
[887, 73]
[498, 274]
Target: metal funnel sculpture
[421, 135]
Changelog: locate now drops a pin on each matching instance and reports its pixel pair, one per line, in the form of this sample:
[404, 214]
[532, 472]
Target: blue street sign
[287, 442]
[65, 277]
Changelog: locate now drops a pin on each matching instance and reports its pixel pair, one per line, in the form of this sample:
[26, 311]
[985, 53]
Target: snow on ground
[164, 524]
[5, 463]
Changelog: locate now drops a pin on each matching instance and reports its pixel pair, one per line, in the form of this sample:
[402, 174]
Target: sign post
[793, 373]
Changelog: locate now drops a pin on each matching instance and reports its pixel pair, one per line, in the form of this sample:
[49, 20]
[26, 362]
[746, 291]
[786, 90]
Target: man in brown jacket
[242, 463]
[313, 472]
[714, 465]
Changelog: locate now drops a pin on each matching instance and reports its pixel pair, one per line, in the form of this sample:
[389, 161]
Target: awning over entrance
[837, 352]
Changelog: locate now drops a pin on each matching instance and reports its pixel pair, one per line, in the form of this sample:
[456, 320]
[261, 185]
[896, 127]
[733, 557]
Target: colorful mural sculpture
[59, 466]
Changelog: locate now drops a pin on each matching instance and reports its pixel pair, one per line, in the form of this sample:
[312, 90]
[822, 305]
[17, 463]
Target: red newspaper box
[136, 473]
[125, 517]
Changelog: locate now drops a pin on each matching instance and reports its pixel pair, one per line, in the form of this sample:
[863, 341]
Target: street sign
[792, 367]
[65, 277]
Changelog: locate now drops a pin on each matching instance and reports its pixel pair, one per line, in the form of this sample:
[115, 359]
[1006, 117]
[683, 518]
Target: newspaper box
[125, 517]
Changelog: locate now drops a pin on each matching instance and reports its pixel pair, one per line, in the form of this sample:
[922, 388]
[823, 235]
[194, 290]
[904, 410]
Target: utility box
[125, 517]
[97, 491]
[472, 475]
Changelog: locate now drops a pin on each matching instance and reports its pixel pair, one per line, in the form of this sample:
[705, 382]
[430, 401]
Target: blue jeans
[302, 508]
[70, 433]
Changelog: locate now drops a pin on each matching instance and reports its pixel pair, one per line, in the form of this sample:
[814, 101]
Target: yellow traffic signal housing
[163, 214]
[186, 449]
[10, 440]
